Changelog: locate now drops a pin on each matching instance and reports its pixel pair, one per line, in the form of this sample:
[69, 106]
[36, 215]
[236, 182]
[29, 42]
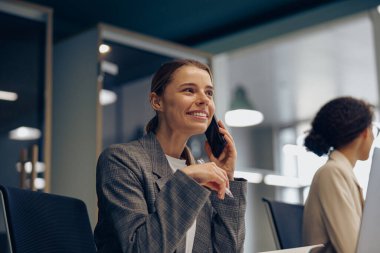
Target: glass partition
[25, 44]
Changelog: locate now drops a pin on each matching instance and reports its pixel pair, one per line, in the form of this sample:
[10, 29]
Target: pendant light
[242, 113]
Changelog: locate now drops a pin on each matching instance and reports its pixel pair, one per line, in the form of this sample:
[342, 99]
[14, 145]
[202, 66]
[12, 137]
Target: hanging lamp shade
[242, 112]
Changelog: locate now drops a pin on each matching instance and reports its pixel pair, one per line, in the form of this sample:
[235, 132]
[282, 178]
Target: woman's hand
[227, 158]
[210, 176]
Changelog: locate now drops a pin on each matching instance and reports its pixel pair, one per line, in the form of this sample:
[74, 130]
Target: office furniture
[46, 223]
[286, 223]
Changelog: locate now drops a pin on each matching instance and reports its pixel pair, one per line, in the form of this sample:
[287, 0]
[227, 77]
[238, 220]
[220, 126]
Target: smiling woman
[153, 197]
[185, 103]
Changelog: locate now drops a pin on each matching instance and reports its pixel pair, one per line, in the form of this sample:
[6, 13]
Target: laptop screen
[5, 244]
[370, 227]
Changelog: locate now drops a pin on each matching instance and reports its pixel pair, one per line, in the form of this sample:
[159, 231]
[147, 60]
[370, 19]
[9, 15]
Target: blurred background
[75, 78]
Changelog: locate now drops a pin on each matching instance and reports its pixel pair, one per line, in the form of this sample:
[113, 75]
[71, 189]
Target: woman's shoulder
[121, 148]
[331, 170]
[130, 150]
[119, 157]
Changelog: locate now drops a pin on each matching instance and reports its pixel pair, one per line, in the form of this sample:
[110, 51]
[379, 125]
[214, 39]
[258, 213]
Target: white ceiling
[291, 77]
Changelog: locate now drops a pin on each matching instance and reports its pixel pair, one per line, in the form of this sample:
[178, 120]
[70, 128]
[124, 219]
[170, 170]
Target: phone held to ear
[215, 138]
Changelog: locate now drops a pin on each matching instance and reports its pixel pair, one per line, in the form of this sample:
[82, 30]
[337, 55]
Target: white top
[177, 164]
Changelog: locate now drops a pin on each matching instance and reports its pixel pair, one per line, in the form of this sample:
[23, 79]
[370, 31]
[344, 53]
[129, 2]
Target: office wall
[126, 119]
[74, 141]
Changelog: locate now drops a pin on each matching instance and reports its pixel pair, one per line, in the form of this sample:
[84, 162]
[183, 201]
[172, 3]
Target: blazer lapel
[160, 165]
[162, 172]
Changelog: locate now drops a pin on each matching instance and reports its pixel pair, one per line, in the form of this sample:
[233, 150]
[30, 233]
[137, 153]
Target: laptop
[5, 240]
[369, 240]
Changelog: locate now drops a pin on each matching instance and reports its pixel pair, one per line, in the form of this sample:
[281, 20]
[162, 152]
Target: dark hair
[338, 123]
[164, 76]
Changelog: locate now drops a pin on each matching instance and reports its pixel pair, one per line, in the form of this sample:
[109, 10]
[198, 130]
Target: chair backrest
[5, 241]
[46, 223]
[286, 223]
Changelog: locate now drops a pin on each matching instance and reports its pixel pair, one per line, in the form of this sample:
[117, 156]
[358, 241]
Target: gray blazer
[145, 207]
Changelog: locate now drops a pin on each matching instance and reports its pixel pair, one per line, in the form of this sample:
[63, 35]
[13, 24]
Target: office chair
[46, 223]
[286, 223]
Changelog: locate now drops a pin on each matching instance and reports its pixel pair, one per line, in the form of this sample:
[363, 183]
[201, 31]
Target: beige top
[334, 207]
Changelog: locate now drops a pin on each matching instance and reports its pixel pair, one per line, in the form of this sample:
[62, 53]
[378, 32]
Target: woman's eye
[210, 93]
[188, 90]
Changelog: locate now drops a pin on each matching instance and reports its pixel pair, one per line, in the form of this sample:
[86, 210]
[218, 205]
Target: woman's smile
[199, 115]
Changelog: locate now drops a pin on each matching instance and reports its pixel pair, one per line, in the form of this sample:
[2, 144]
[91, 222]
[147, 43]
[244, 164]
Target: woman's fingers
[221, 173]
[225, 183]
[215, 187]
[209, 175]
[228, 137]
[209, 152]
[224, 131]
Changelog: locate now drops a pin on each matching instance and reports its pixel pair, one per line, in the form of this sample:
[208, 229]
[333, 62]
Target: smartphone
[215, 138]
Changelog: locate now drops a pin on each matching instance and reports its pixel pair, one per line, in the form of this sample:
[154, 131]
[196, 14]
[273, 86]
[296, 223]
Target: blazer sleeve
[339, 210]
[229, 218]
[124, 192]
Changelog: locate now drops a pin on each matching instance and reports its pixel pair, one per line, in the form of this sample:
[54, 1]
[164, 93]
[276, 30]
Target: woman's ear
[155, 101]
[367, 132]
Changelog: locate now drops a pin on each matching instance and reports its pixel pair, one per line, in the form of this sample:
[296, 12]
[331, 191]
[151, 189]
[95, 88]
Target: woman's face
[187, 104]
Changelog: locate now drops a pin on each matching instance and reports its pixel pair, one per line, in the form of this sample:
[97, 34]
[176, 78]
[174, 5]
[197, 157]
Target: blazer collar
[160, 165]
[344, 163]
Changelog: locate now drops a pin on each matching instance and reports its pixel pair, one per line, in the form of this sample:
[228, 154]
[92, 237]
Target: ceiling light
[39, 183]
[9, 96]
[109, 67]
[103, 49]
[251, 177]
[242, 113]
[39, 167]
[243, 118]
[25, 134]
[284, 181]
[107, 97]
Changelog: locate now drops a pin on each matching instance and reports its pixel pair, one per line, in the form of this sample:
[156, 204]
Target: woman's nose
[202, 98]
